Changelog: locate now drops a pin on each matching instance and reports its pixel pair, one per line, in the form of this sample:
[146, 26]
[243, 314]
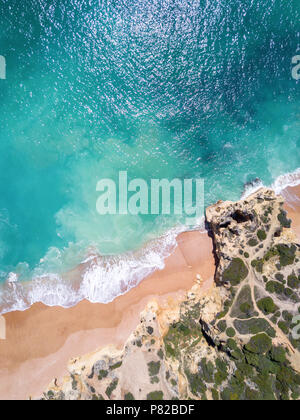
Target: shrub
[116, 366]
[261, 234]
[110, 389]
[259, 344]
[206, 370]
[129, 396]
[258, 265]
[253, 242]
[287, 316]
[275, 287]
[196, 383]
[236, 272]
[232, 345]
[267, 306]
[278, 354]
[286, 254]
[160, 354]
[245, 308]
[102, 374]
[293, 281]
[252, 395]
[222, 325]
[150, 330]
[230, 332]
[153, 368]
[254, 326]
[215, 395]
[155, 396]
[288, 292]
[284, 327]
[246, 255]
[279, 277]
[284, 221]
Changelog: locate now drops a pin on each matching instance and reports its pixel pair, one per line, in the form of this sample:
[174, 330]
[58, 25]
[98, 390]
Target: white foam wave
[251, 187]
[99, 279]
[291, 179]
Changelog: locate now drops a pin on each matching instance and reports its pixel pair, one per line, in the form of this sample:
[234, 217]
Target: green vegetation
[155, 396]
[230, 332]
[206, 371]
[279, 277]
[278, 354]
[196, 383]
[102, 374]
[243, 307]
[160, 354]
[183, 334]
[267, 306]
[253, 242]
[129, 397]
[284, 327]
[116, 366]
[215, 395]
[259, 344]
[74, 383]
[293, 281]
[236, 272]
[284, 221]
[254, 326]
[222, 325]
[153, 368]
[287, 254]
[111, 388]
[261, 234]
[275, 287]
[50, 395]
[258, 265]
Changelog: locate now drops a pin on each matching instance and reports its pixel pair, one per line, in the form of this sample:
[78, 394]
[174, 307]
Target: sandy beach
[41, 340]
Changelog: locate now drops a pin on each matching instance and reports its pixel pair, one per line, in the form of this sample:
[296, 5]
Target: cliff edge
[239, 341]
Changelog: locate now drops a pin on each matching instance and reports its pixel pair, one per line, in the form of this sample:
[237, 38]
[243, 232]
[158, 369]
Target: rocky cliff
[240, 341]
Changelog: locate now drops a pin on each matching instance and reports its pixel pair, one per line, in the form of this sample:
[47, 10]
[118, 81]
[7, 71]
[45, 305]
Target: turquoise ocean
[157, 88]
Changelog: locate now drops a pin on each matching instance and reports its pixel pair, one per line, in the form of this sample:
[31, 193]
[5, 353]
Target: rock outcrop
[239, 341]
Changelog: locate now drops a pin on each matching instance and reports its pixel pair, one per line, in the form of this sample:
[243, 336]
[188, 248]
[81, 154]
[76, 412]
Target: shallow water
[159, 88]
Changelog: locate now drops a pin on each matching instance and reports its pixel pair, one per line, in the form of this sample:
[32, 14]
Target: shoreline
[41, 340]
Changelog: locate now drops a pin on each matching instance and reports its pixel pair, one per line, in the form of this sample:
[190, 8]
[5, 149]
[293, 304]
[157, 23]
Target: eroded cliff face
[238, 341]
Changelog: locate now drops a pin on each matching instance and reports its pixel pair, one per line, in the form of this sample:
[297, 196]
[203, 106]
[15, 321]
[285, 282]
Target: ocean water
[158, 88]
